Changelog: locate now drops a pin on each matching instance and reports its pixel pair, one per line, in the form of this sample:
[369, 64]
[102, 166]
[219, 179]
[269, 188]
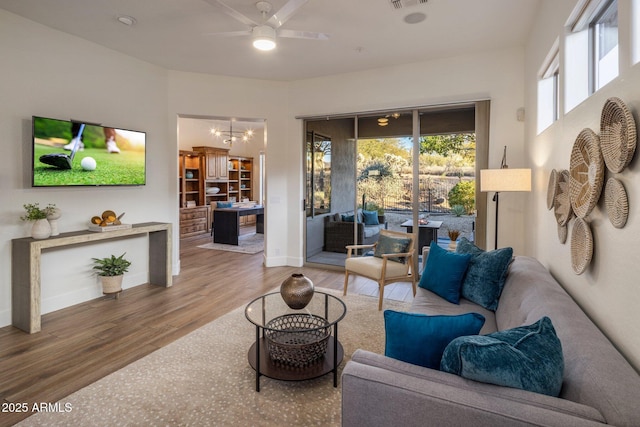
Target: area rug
[204, 379]
[247, 243]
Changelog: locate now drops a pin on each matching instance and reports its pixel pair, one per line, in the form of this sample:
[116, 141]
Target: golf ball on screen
[88, 164]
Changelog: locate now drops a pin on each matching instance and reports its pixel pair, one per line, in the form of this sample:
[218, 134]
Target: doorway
[221, 161]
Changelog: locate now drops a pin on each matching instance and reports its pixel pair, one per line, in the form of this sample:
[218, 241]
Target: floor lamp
[504, 179]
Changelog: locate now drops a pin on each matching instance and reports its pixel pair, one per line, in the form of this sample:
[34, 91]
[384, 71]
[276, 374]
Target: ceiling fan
[264, 33]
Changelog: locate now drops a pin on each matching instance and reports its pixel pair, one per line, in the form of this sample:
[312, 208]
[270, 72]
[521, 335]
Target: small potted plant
[453, 235]
[111, 271]
[41, 228]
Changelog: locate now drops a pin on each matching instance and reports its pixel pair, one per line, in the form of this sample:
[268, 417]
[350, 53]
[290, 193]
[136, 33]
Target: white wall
[608, 291]
[206, 95]
[497, 75]
[42, 75]
[48, 73]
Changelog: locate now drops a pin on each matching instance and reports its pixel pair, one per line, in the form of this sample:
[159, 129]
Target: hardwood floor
[83, 343]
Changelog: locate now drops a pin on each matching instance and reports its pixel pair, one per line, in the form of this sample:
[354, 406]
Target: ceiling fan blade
[292, 34]
[283, 15]
[230, 33]
[233, 13]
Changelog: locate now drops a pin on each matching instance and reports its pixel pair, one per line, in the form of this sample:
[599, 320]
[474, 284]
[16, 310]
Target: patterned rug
[204, 379]
[247, 243]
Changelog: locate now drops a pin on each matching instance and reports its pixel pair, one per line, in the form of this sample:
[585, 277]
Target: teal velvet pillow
[527, 357]
[420, 339]
[444, 272]
[486, 274]
[392, 245]
[224, 204]
[370, 217]
[348, 218]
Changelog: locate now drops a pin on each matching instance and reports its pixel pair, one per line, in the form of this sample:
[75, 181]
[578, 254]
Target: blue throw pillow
[225, 204]
[370, 217]
[444, 272]
[392, 245]
[486, 274]
[348, 218]
[420, 339]
[527, 357]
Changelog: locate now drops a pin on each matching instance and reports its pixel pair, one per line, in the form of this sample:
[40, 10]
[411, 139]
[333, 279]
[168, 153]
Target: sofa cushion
[486, 274]
[369, 266]
[420, 339]
[348, 218]
[392, 245]
[426, 302]
[444, 272]
[527, 357]
[370, 217]
[371, 230]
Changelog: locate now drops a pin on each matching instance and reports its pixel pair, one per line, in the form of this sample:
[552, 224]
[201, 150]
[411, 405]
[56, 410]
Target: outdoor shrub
[463, 193]
[458, 210]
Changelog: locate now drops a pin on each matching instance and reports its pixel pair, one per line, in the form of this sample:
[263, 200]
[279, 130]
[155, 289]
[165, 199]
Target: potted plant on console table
[111, 270]
[41, 229]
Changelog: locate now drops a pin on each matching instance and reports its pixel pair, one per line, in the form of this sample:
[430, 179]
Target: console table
[26, 254]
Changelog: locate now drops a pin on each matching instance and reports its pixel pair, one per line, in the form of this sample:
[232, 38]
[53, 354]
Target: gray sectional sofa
[599, 385]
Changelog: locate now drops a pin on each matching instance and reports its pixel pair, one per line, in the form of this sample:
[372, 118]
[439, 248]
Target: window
[591, 49]
[635, 31]
[604, 46]
[549, 90]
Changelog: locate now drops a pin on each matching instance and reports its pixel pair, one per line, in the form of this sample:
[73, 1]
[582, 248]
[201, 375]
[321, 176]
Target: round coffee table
[295, 345]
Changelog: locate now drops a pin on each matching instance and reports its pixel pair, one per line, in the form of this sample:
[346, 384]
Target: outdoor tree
[463, 144]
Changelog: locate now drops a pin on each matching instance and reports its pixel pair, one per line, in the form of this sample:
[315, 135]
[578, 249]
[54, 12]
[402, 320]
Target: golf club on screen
[63, 160]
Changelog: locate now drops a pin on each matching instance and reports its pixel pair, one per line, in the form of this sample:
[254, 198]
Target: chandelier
[230, 136]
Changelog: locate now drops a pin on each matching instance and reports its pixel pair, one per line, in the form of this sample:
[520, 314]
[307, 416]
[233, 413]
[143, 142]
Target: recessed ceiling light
[415, 18]
[127, 20]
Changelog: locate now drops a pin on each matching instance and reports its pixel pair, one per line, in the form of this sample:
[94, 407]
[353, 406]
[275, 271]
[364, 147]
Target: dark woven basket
[297, 340]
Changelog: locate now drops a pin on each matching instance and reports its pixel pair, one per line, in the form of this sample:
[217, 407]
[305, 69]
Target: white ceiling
[364, 34]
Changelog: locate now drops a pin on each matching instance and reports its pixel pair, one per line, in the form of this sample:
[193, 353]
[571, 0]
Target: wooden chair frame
[382, 280]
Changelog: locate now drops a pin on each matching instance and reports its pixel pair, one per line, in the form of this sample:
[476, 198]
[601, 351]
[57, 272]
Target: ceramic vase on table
[53, 218]
[297, 291]
[41, 229]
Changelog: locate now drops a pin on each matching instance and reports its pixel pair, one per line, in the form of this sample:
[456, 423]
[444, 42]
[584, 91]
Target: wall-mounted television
[73, 153]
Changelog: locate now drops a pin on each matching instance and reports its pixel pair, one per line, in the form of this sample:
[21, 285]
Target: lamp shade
[505, 180]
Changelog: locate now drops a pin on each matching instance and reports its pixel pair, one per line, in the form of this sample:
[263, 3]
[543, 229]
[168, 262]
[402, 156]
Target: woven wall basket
[552, 188]
[617, 203]
[587, 173]
[581, 246]
[562, 202]
[562, 233]
[617, 135]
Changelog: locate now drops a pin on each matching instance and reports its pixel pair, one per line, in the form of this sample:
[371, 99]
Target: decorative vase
[41, 229]
[297, 291]
[53, 218]
[189, 174]
[111, 284]
[452, 246]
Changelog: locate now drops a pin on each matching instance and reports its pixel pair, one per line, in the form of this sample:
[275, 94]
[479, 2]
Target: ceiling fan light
[264, 37]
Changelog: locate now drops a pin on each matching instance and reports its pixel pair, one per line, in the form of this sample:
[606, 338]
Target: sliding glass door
[411, 166]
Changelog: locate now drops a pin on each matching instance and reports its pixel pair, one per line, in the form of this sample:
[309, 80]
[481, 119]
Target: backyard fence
[433, 194]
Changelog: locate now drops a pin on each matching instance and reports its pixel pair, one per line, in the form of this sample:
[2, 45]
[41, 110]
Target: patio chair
[392, 261]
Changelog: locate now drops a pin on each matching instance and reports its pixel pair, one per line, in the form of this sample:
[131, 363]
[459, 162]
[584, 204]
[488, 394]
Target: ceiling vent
[401, 4]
